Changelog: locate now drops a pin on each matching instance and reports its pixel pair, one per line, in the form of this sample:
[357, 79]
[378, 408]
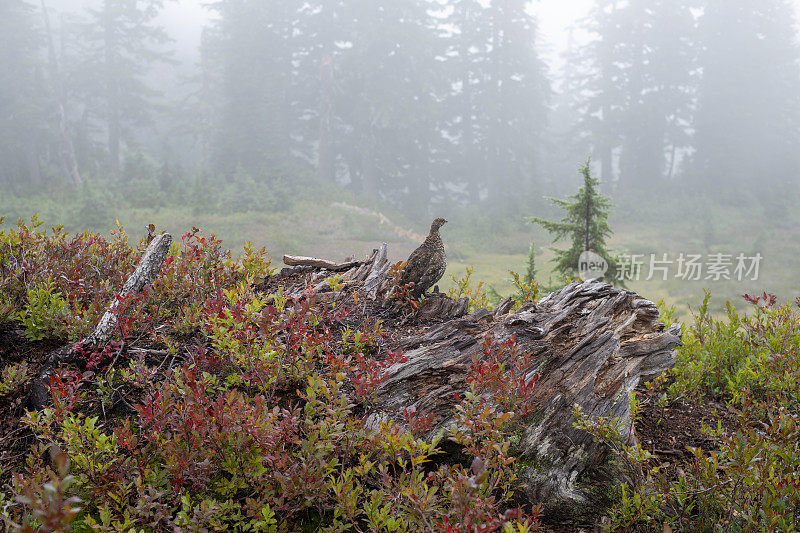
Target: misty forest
[600, 330]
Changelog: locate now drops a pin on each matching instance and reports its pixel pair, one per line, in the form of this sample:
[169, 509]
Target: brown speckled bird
[426, 264]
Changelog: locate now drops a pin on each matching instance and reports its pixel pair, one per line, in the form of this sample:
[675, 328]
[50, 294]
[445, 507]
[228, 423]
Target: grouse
[426, 264]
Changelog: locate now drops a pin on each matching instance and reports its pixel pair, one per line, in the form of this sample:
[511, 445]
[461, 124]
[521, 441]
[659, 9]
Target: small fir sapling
[585, 223]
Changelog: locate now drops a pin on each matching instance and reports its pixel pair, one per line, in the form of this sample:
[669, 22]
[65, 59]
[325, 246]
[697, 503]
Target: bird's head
[438, 223]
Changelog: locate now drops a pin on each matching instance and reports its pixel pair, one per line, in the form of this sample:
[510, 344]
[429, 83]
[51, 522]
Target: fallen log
[145, 274]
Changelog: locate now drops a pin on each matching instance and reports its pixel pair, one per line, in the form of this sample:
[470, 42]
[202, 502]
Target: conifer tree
[585, 223]
[116, 46]
[747, 126]
[248, 55]
[497, 105]
[22, 105]
[633, 88]
[387, 78]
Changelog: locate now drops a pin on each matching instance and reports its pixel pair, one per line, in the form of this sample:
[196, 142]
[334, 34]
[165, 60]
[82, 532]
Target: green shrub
[94, 208]
[45, 314]
[759, 352]
[751, 482]
[478, 298]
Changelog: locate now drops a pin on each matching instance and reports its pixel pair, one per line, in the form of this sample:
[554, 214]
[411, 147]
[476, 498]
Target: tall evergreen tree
[386, 100]
[464, 39]
[593, 78]
[118, 43]
[23, 124]
[518, 94]
[498, 108]
[321, 42]
[318, 72]
[249, 57]
[633, 87]
[748, 119]
[66, 148]
[659, 87]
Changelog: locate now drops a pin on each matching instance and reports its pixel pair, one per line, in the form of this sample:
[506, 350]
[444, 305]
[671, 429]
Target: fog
[689, 111]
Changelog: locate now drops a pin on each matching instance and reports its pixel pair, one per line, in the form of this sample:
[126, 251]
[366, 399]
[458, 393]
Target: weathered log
[145, 274]
[296, 260]
[592, 343]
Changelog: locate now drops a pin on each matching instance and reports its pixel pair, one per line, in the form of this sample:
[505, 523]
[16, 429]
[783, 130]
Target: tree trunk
[325, 161]
[66, 150]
